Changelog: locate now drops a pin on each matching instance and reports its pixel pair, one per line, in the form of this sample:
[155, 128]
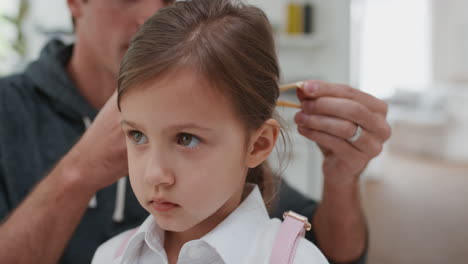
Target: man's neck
[95, 83]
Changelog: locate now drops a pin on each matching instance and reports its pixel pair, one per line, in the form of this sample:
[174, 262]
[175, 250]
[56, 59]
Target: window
[395, 46]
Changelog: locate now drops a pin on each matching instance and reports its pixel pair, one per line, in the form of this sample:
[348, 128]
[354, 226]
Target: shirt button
[195, 252]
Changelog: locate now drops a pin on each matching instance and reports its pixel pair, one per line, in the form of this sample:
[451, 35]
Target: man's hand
[330, 115]
[100, 157]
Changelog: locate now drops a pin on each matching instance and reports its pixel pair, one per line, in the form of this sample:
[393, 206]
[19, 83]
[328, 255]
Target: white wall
[450, 39]
[45, 17]
[328, 55]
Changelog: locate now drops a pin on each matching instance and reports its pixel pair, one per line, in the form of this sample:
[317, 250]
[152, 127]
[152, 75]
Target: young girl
[197, 93]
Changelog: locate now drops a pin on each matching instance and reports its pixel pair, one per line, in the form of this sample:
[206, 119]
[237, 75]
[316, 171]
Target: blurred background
[411, 53]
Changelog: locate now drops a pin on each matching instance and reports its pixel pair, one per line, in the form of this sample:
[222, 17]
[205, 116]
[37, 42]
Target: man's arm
[330, 116]
[40, 228]
[339, 224]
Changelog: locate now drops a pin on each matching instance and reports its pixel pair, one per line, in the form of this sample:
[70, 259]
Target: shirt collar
[238, 228]
[150, 234]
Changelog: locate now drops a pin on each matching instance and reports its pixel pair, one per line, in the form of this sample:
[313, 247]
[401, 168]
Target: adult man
[45, 111]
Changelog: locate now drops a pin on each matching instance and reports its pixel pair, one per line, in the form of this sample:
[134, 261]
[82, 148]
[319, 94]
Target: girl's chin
[173, 226]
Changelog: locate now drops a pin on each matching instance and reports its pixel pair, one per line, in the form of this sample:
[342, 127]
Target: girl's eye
[187, 140]
[137, 137]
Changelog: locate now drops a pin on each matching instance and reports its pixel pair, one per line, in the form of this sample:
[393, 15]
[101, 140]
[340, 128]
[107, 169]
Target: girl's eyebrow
[174, 127]
[128, 123]
[189, 126]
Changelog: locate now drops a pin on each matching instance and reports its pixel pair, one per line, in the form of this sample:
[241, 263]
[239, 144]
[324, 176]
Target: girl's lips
[163, 206]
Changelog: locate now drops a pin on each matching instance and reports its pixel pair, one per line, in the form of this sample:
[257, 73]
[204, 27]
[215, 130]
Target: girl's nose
[158, 172]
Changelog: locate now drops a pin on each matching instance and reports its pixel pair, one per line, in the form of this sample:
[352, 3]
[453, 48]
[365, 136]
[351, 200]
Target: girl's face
[187, 152]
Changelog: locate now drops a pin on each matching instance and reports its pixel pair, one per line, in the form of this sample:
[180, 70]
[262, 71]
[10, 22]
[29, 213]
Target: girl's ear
[262, 143]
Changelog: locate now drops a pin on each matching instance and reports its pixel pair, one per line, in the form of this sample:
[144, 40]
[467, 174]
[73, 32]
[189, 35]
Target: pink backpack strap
[291, 231]
[122, 246]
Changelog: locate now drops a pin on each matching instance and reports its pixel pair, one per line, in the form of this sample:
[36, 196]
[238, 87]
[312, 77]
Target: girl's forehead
[183, 95]
[188, 84]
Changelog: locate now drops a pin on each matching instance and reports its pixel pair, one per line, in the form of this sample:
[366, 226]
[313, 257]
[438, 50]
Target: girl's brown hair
[229, 43]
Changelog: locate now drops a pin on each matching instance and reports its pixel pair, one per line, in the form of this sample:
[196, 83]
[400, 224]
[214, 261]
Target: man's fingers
[368, 144]
[340, 108]
[341, 148]
[350, 111]
[341, 130]
[316, 89]
[326, 124]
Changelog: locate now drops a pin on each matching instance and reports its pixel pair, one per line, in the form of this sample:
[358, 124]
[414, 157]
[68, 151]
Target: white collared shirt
[245, 236]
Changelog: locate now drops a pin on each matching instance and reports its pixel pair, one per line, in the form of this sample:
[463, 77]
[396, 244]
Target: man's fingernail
[300, 85]
[311, 87]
